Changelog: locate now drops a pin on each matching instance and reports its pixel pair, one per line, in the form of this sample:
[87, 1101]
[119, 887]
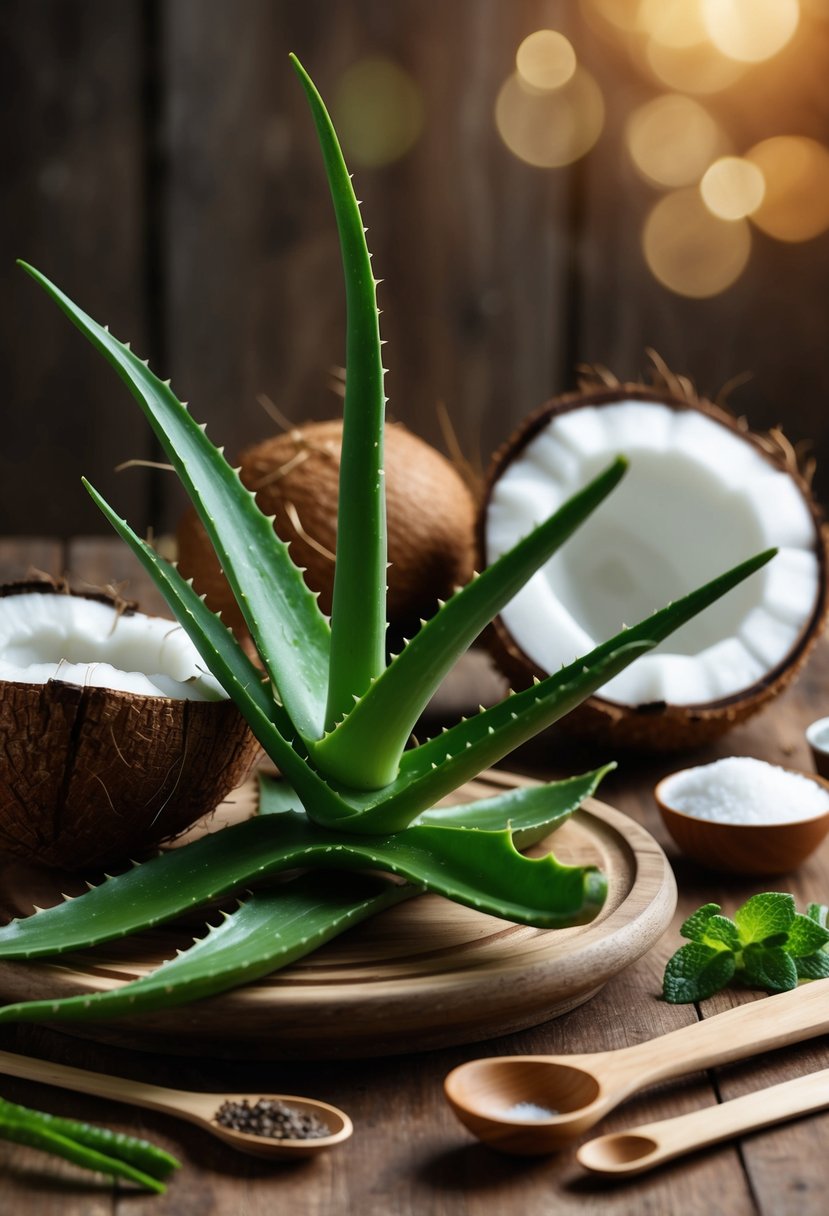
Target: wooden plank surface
[471, 245]
[162, 167]
[408, 1155]
[73, 157]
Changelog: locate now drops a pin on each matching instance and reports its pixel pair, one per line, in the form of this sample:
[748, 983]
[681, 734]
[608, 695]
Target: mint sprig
[768, 944]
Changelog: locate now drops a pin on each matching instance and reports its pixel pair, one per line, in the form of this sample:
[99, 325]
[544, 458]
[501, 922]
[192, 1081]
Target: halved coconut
[430, 514]
[701, 494]
[113, 736]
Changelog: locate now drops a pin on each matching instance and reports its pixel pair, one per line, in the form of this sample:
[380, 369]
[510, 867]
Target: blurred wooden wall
[161, 167]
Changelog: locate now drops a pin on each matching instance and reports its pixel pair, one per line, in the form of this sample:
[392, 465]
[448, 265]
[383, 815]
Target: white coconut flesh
[697, 499]
[85, 642]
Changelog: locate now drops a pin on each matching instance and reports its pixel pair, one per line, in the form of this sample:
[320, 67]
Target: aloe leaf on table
[269, 930]
[93, 1148]
[479, 868]
[274, 927]
[330, 712]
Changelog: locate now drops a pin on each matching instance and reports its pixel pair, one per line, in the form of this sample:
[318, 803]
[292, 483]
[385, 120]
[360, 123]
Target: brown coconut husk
[659, 727]
[295, 476]
[95, 776]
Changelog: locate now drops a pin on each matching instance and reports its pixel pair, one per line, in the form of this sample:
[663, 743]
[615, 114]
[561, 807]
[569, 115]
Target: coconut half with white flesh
[701, 495]
[113, 736]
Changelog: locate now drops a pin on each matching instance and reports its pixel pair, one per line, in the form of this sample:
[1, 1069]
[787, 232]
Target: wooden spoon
[198, 1108]
[642, 1148]
[536, 1104]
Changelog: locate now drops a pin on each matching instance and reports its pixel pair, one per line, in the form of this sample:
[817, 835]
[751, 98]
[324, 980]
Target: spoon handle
[767, 1023]
[119, 1089]
[643, 1147]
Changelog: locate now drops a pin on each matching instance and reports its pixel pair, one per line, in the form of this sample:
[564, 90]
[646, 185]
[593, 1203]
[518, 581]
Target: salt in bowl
[742, 831]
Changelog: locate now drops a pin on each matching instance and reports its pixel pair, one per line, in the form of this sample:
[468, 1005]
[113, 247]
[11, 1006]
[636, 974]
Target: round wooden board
[425, 974]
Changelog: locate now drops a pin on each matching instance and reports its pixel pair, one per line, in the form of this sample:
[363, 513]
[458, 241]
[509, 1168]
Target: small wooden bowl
[817, 736]
[744, 848]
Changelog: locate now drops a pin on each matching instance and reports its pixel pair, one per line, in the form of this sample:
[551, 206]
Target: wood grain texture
[162, 168]
[471, 244]
[73, 155]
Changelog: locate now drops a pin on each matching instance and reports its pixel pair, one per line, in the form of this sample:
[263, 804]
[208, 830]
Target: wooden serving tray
[425, 974]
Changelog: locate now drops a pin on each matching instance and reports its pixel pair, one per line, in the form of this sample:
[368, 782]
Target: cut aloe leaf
[531, 812]
[364, 751]
[269, 930]
[290, 632]
[358, 615]
[481, 869]
[91, 1148]
[273, 928]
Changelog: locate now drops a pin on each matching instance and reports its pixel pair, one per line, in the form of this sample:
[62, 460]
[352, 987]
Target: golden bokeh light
[750, 30]
[623, 14]
[795, 205]
[732, 188]
[673, 139]
[553, 128]
[692, 69]
[378, 110]
[674, 23]
[546, 60]
[689, 250]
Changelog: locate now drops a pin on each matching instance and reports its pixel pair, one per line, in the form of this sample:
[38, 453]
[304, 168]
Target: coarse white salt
[740, 789]
[529, 1112]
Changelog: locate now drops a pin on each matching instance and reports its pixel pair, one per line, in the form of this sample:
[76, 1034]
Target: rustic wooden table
[408, 1154]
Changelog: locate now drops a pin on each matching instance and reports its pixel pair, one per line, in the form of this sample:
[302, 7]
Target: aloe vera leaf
[358, 615]
[432, 770]
[290, 633]
[136, 1152]
[365, 749]
[481, 869]
[273, 928]
[530, 812]
[35, 1132]
[230, 665]
[270, 929]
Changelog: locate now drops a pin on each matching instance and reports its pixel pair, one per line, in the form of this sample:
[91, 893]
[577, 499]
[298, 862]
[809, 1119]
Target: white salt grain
[742, 790]
[529, 1112]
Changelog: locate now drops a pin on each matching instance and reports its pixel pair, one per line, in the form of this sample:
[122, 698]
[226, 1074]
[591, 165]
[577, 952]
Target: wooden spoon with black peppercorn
[281, 1125]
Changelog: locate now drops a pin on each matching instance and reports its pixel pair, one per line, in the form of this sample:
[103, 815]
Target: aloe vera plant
[336, 717]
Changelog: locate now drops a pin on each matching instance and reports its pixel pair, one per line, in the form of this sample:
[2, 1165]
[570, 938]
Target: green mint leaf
[696, 972]
[815, 967]
[818, 913]
[694, 927]
[769, 967]
[763, 915]
[719, 932]
[805, 937]
[775, 939]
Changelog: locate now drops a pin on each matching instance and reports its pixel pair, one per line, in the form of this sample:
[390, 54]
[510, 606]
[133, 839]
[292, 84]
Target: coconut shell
[95, 776]
[658, 727]
[430, 513]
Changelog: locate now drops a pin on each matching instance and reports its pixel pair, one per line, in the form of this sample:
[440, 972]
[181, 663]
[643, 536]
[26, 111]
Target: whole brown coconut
[430, 513]
[92, 775]
[679, 520]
